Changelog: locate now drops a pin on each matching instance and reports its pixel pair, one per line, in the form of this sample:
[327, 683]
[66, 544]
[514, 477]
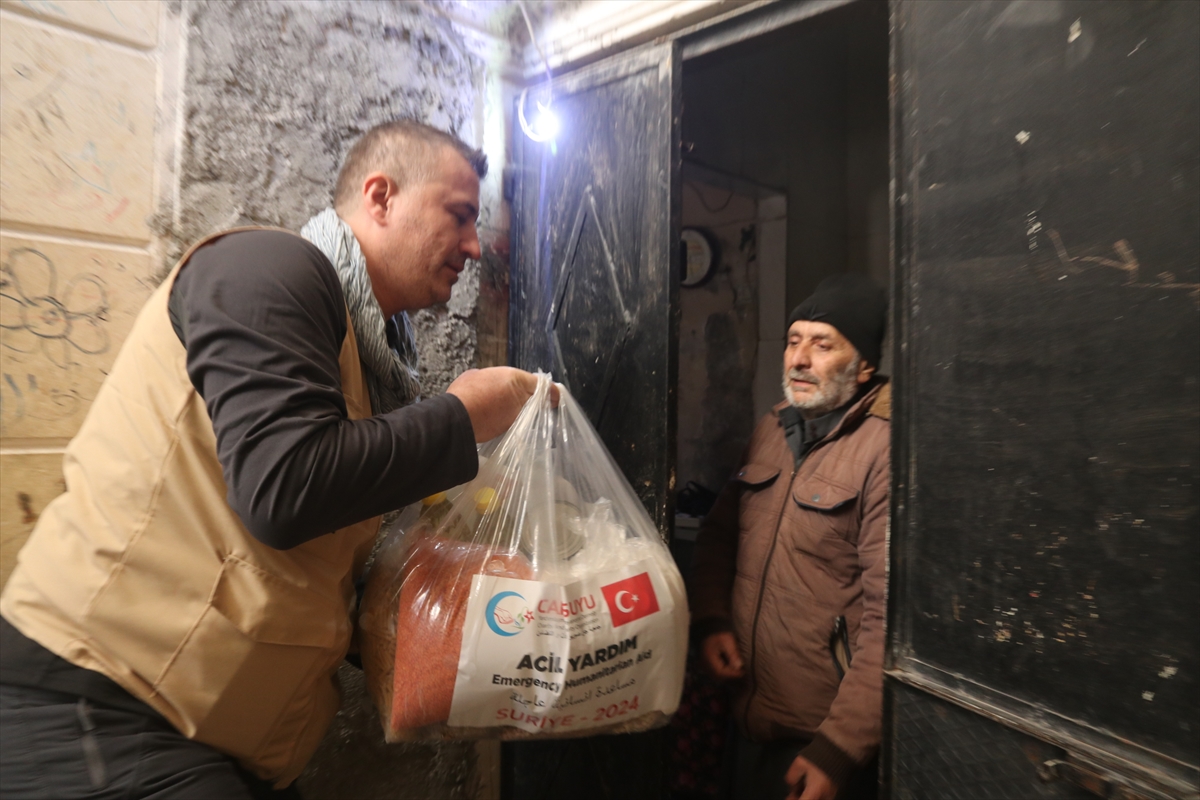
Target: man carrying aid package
[175, 622]
[787, 596]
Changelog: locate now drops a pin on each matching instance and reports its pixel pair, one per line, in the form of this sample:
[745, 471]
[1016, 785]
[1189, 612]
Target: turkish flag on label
[630, 599]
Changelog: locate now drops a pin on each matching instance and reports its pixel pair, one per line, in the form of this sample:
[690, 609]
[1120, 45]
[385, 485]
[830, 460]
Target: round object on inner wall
[698, 256]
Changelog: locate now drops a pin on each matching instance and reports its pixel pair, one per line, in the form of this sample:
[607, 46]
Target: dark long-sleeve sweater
[262, 316]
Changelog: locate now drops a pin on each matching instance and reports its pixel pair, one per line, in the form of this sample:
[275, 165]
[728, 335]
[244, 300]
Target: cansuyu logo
[507, 613]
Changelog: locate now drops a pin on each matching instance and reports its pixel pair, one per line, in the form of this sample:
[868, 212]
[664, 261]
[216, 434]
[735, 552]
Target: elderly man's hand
[809, 782]
[494, 396]
[721, 656]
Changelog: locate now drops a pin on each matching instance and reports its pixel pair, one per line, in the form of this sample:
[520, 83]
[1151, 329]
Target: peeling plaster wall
[274, 95]
[718, 337]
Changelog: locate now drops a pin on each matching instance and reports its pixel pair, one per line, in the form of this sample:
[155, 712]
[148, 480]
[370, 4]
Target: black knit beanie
[854, 305]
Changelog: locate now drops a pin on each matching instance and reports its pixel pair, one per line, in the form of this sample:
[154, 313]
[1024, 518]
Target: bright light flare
[545, 124]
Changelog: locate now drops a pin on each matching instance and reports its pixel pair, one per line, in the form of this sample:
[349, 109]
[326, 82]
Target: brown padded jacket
[782, 555]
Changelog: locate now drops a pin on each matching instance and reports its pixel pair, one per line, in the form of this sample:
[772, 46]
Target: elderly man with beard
[787, 594]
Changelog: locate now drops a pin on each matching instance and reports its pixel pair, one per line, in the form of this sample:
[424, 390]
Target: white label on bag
[549, 657]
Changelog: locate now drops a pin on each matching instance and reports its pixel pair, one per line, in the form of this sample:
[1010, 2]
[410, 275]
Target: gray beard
[833, 392]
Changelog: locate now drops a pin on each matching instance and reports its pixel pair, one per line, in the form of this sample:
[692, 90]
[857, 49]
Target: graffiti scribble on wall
[36, 313]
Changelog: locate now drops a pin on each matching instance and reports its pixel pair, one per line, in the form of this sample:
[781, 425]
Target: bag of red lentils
[536, 601]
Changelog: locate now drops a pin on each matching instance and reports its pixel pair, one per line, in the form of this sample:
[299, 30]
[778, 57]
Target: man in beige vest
[175, 622]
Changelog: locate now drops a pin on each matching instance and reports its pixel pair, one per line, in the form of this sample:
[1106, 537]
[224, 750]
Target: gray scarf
[392, 376]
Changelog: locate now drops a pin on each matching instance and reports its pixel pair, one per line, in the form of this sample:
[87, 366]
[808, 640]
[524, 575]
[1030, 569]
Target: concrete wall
[277, 92]
[131, 129]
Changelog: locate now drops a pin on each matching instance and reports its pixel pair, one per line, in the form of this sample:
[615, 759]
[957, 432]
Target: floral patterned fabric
[700, 729]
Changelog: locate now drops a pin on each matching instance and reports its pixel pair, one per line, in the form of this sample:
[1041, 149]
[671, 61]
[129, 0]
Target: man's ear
[865, 371]
[377, 190]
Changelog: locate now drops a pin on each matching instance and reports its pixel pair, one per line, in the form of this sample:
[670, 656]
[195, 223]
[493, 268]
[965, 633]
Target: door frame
[739, 25]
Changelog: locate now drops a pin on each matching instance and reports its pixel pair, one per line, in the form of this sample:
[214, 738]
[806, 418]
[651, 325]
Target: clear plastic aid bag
[536, 600]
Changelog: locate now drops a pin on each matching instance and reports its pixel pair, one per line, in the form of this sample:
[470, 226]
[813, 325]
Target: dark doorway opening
[785, 150]
[780, 119]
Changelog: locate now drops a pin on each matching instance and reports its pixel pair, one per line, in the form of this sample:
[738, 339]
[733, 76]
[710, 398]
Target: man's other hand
[494, 396]
[809, 782]
[721, 656]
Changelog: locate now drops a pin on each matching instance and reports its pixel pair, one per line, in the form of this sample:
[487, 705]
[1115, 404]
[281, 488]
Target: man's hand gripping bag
[537, 600]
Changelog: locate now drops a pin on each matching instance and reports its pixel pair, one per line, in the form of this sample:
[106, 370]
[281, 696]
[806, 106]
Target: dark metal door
[596, 235]
[1046, 529]
[593, 300]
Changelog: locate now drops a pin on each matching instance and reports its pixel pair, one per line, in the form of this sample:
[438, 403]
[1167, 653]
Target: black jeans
[56, 746]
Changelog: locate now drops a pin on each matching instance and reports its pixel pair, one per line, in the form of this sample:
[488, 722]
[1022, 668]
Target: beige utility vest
[141, 570]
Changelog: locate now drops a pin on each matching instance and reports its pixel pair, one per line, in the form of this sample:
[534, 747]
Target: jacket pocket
[756, 476]
[274, 610]
[821, 494]
[824, 522]
[758, 502]
[258, 653]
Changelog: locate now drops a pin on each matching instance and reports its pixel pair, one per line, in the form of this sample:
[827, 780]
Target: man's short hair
[406, 151]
